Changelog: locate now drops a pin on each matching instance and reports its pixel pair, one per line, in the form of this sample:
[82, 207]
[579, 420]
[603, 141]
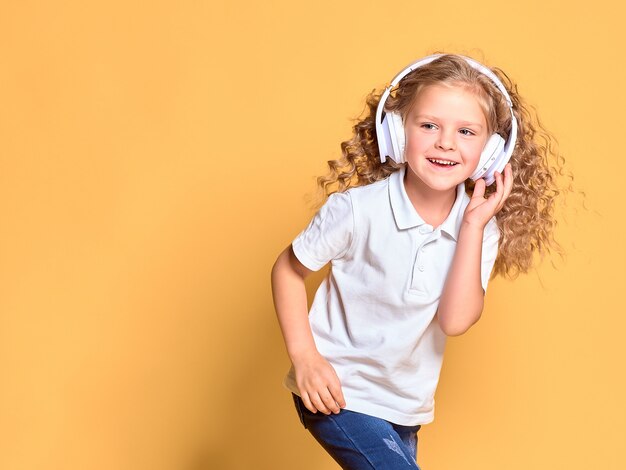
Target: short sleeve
[489, 251]
[329, 234]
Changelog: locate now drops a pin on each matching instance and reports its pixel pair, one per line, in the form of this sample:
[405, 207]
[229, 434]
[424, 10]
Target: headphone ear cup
[491, 152]
[384, 140]
[397, 137]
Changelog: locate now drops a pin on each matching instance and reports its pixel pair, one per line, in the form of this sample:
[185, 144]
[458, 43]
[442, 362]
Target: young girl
[444, 181]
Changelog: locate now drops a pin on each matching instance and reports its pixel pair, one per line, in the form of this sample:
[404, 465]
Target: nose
[446, 141]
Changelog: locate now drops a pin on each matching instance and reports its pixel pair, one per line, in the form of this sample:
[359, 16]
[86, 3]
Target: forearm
[462, 298]
[290, 302]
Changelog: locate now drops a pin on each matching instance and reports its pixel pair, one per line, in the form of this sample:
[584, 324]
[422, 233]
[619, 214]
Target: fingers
[317, 399]
[479, 189]
[329, 402]
[497, 195]
[508, 180]
[323, 401]
[503, 186]
[321, 391]
[481, 209]
[314, 403]
[320, 388]
[337, 393]
[307, 402]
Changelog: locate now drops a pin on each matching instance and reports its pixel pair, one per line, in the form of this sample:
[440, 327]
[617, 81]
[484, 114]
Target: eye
[463, 131]
[427, 125]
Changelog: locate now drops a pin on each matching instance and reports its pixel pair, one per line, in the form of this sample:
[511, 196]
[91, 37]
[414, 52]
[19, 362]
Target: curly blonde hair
[526, 221]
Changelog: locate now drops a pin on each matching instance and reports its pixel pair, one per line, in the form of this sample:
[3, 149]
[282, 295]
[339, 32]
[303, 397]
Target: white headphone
[392, 140]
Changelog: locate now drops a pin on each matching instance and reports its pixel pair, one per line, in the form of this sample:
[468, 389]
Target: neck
[432, 205]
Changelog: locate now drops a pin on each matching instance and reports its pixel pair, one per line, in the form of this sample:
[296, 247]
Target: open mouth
[441, 163]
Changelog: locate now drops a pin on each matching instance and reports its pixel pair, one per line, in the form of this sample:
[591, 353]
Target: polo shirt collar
[405, 214]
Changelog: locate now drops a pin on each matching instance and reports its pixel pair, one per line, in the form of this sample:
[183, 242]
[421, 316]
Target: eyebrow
[463, 123]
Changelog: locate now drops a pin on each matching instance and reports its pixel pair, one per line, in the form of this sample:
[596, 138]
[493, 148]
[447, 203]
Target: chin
[440, 182]
[443, 186]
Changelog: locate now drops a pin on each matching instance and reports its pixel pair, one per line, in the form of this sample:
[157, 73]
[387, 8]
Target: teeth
[443, 162]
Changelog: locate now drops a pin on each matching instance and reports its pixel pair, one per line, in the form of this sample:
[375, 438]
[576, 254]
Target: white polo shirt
[373, 316]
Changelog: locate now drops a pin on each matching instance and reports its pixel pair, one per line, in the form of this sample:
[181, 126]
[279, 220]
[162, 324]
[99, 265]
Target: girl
[411, 252]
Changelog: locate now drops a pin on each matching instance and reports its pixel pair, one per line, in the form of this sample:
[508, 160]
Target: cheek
[474, 151]
[415, 143]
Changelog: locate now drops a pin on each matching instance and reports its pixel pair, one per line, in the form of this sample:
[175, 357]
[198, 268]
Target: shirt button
[421, 268]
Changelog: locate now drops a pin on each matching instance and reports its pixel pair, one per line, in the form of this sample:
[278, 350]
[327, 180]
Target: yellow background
[154, 160]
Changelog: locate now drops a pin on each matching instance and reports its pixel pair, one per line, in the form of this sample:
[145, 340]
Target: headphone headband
[478, 66]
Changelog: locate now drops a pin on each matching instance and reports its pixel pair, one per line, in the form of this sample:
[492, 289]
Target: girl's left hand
[480, 210]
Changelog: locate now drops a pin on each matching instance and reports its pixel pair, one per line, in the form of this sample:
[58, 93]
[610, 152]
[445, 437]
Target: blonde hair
[526, 221]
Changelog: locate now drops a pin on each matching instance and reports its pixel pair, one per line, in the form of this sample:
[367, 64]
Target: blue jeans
[359, 441]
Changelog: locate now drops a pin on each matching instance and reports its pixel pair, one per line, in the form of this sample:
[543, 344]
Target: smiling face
[446, 124]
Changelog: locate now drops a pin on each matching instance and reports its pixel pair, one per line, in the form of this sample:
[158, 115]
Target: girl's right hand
[318, 383]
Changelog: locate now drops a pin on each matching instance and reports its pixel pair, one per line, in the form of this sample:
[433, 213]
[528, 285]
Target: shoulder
[369, 191]
[370, 201]
[339, 203]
